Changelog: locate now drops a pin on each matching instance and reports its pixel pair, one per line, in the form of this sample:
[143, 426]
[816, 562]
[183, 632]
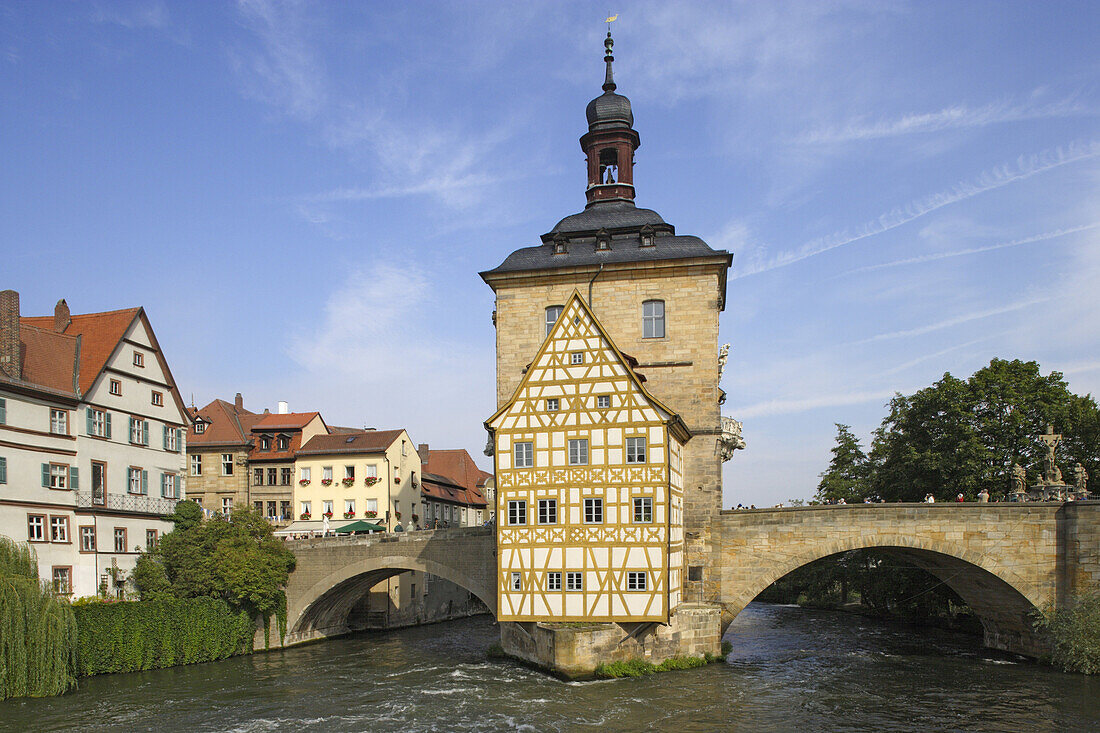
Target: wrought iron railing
[127, 503]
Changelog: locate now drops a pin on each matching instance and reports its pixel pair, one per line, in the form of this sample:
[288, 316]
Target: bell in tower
[610, 141]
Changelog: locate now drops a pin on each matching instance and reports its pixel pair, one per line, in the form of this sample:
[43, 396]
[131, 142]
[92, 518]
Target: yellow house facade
[589, 492]
[372, 475]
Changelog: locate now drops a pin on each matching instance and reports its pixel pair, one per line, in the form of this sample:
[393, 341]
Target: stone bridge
[1004, 560]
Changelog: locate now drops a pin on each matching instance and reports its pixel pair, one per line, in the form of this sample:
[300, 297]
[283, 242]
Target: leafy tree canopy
[238, 560]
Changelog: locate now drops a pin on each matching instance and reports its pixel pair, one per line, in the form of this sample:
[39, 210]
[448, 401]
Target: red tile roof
[358, 441]
[100, 334]
[226, 425]
[49, 358]
[441, 488]
[284, 421]
[455, 468]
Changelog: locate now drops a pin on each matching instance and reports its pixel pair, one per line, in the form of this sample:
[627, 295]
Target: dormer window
[265, 442]
[200, 426]
[560, 245]
[647, 236]
[284, 443]
[603, 241]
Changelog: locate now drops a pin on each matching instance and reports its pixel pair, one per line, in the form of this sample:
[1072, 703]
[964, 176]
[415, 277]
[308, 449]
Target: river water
[791, 670]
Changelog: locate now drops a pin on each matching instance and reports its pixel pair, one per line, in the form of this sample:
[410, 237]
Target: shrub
[1075, 634]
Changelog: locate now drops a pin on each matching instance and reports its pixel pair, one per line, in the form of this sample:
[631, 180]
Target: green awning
[360, 526]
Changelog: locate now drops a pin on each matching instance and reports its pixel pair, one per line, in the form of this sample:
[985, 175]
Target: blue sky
[301, 195]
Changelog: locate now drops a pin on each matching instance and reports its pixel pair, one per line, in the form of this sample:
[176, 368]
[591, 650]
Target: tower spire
[608, 57]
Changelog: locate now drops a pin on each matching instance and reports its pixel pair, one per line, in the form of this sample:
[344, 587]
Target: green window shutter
[131, 435]
[144, 482]
[46, 475]
[74, 478]
[145, 432]
[164, 436]
[179, 439]
[91, 423]
[3, 470]
[163, 483]
[3, 411]
[107, 415]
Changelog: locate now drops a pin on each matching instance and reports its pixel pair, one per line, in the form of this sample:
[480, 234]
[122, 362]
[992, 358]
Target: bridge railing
[422, 535]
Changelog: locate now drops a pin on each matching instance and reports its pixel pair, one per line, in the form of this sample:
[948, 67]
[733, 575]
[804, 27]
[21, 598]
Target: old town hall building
[614, 282]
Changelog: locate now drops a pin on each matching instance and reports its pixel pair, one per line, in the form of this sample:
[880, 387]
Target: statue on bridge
[1081, 481]
[1019, 482]
[1051, 473]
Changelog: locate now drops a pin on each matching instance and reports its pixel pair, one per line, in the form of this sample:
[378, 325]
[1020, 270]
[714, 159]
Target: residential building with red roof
[453, 489]
[92, 442]
[219, 444]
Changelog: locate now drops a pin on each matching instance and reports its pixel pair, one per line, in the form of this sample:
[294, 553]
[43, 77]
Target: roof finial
[609, 56]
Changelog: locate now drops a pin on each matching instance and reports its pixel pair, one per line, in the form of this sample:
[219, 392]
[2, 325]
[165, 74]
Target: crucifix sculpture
[1051, 473]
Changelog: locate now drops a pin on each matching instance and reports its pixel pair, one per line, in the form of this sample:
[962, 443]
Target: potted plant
[304, 515]
[397, 516]
[397, 479]
[370, 514]
[326, 482]
[416, 517]
[303, 482]
[349, 515]
[371, 480]
[327, 514]
[348, 481]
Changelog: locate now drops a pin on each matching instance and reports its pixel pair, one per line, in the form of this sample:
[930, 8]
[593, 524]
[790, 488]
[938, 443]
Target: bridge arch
[324, 607]
[1001, 598]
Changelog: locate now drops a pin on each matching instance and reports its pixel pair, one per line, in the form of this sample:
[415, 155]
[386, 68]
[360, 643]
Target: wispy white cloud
[132, 15]
[933, 356]
[950, 118]
[1025, 166]
[771, 408]
[950, 322]
[1046, 236]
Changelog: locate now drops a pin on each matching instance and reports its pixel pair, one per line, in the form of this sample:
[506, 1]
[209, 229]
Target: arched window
[552, 314]
[653, 319]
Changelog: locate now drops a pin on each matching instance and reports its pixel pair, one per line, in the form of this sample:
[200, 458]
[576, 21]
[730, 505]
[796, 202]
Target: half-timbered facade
[589, 485]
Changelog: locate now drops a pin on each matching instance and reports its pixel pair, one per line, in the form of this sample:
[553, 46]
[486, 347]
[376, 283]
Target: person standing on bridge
[929, 499]
[960, 498]
[983, 496]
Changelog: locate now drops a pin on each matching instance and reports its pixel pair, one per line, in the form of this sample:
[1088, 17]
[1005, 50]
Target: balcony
[126, 503]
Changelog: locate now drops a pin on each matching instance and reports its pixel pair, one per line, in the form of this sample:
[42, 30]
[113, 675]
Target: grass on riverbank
[641, 668]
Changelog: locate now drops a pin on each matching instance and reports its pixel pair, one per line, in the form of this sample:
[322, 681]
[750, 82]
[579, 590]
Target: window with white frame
[603, 401]
[307, 507]
[171, 489]
[87, 539]
[593, 511]
[371, 506]
[548, 511]
[196, 465]
[171, 438]
[643, 509]
[653, 319]
[120, 539]
[116, 387]
[371, 470]
[137, 430]
[574, 581]
[227, 504]
[636, 580]
[59, 476]
[327, 505]
[151, 538]
[99, 423]
[36, 528]
[62, 580]
[227, 464]
[59, 422]
[552, 314]
[326, 473]
[517, 581]
[139, 359]
[553, 581]
[134, 484]
[257, 477]
[59, 529]
[517, 512]
[349, 506]
[552, 404]
[307, 474]
[349, 472]
[577, 357]
[635, 450]
[157, 398]
[525, 455]
[578, 451]
[200, 427]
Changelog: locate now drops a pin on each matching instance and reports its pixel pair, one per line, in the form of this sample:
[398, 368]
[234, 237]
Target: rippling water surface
[791, 670]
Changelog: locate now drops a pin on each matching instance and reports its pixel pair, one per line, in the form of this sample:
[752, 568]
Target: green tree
[236, 559]
[847, 475]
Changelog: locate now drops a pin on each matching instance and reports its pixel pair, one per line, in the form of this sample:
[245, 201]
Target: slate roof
[623, 222]
[360, 441]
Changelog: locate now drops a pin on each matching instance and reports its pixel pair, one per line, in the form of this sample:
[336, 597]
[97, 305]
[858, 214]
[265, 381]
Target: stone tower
[659, 295]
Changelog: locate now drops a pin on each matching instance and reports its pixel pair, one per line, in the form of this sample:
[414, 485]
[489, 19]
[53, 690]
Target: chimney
[61, 319]
[11, 349]
[422, 449]
[238, 402]
[284, 408]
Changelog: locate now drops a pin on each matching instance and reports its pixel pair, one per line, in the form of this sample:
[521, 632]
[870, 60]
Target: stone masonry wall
[573, 651]
[681, 369]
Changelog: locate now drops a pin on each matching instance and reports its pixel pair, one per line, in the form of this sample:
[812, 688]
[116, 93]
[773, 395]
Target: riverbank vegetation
[131, 636]
[236, 559]
[641, 668]
[37, 629]
[1075, 634]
